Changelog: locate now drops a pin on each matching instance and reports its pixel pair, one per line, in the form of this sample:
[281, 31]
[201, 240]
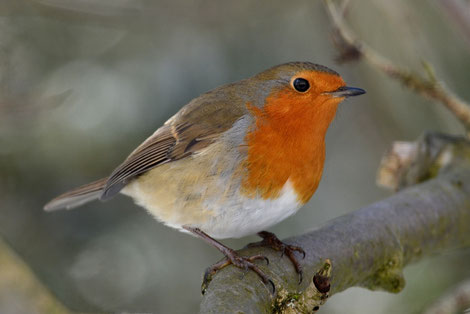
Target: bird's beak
[346, 91]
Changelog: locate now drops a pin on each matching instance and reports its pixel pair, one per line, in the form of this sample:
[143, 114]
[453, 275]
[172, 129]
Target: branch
[20, 289]
[310, 300]
[430, 87]
[409, 163]
[368, 247]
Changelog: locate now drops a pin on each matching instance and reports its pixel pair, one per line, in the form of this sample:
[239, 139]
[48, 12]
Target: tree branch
[21, 291]
[368, 247]
[428, 86]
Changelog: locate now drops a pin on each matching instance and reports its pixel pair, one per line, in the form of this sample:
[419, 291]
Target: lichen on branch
[308, 301]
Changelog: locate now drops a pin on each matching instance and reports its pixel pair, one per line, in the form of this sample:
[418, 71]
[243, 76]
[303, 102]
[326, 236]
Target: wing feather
[151, 153]
[192, 129]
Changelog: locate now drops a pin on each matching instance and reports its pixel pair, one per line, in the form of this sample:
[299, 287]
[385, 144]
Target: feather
[78, 196]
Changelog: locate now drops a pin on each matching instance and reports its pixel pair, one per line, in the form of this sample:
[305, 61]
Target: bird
[232, 162]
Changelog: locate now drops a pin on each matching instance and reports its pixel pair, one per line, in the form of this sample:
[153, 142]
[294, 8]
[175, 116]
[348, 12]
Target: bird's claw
[242, 262]
[270, 240]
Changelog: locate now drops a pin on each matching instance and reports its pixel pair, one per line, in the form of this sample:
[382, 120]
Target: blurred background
[83, 82]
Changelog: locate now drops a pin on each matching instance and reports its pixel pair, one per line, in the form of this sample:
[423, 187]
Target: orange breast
[287, 143]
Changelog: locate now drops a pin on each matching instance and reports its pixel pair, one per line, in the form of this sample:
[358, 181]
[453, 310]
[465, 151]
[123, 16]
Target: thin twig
[428, 86]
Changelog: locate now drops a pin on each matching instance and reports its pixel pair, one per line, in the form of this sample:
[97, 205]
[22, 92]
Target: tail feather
[79, 196]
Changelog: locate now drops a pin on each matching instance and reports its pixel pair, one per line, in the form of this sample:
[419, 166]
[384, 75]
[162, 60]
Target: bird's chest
[273, 159]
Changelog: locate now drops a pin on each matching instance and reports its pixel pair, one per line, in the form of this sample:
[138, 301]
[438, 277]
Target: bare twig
[427, 86]
[368, 247]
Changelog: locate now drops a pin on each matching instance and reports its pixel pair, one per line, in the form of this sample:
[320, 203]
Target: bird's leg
[231, 257]
[270, 240]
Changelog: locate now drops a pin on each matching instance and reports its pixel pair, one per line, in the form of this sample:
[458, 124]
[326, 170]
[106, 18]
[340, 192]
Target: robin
[233, 161]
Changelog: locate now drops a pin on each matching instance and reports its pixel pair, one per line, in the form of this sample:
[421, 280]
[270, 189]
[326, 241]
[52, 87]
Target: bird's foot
[270, 240]
[246, 263]
[231, 257]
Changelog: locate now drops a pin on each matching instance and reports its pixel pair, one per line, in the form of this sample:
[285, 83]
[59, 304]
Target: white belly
[220, 216]
[237, 218]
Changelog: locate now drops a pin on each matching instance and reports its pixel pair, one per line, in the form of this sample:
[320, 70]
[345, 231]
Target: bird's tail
[79, 196]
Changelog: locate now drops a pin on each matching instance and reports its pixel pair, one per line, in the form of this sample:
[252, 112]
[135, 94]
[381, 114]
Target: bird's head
[304, 83]
[300, 93]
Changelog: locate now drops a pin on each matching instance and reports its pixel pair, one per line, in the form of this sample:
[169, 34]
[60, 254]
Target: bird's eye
[301, 85]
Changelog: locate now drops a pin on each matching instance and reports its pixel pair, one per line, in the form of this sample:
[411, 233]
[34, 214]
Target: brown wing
[153, 152]
[190, 130]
